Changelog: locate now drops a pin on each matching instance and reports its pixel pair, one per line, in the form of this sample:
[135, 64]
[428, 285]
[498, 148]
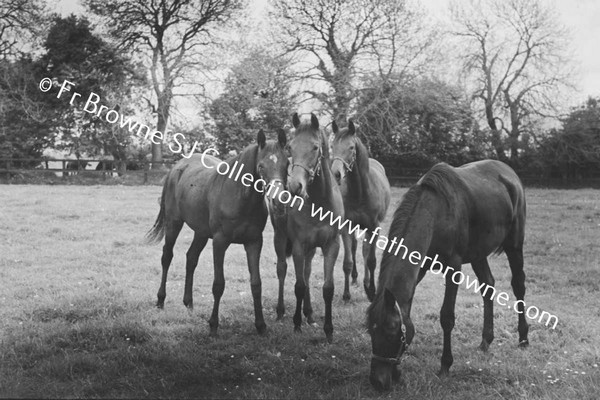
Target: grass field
[77, 316]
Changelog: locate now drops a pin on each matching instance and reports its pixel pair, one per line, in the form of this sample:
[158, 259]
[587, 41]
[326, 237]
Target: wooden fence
[68, 167]
[399, 176]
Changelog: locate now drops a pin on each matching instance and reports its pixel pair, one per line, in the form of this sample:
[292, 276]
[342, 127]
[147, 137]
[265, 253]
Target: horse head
[344, 153]
[271, 167]
[391, 332]
[307, 150]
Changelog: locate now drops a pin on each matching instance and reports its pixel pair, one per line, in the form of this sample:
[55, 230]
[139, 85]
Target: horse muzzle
[383, 375]
[297, 187]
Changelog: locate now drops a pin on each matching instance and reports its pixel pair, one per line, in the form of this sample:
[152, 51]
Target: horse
[311, 179]
[457, 215]
[222, 208]
[366, 193]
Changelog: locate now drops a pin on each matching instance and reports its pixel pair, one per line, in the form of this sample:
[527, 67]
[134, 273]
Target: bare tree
[20, 21]
[170, 33]
[338, 41]
[516, 55]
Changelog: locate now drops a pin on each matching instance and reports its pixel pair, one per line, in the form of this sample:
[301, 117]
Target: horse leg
[280, 242]
[354, 270]
[484, 275]
[300, 286]
[370, 264]
[192, 256]
[349, 265]
[447, 319]
[220, 245]
[330, 253]
[172, 231]
[308, 311]
[515, 260]
[253, 256]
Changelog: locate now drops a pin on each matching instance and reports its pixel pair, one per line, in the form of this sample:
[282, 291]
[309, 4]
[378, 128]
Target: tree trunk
[164, 105]
[496, 137]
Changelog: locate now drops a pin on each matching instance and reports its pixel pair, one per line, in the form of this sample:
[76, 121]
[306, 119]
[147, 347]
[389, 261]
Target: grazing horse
[221, 207]
[311, 179]
[366, 193]
[450, 217]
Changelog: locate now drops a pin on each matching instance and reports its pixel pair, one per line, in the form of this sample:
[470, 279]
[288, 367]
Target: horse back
[380, 191]
[495, 202]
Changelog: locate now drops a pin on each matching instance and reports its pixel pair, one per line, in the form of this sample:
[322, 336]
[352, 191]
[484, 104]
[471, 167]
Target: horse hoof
[443, 373]
[160, 305]
[261, 328]
[329, 337]
[484, 346]
[213, 333]
[523, 344]
[280, 313]
[310, 321]
[297, 329]
[346, 297]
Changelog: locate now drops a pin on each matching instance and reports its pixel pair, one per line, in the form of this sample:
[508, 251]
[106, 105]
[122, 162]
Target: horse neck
[247, 161]
[415, 231]
[359, 175]
[320, 190]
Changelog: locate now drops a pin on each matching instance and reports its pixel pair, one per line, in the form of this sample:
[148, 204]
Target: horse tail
[157, 232]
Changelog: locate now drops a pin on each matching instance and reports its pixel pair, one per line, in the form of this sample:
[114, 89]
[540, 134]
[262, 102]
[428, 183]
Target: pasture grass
[77, 315]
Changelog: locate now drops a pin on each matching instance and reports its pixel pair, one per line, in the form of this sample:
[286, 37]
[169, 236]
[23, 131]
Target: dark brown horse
[366, 193]
[229, 208]
[311, 179]
[452, 216]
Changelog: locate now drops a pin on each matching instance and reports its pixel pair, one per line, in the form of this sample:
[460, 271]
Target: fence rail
[73, 166]
[396, 174]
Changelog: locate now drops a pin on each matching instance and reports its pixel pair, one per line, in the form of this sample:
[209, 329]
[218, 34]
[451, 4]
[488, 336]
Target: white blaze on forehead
[273, 158]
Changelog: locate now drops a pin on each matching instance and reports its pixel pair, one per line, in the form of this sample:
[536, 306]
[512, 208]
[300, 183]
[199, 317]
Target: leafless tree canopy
[515, 51]
[20, 20]
[339, 41]
[170, 34]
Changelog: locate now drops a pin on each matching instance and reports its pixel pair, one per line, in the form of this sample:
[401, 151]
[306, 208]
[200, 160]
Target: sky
[580, 17]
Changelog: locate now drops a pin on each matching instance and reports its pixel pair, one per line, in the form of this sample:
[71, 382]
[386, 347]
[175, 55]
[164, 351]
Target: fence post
[64, 169]
[146, 172]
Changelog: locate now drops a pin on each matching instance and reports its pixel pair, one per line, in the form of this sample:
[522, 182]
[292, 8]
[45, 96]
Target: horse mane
[325, 170]
[441, 179]
[399, 224]
[360, 171]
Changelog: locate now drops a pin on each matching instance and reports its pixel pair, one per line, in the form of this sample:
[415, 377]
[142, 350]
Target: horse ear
[389, 301]
[281, 138]
[351, 127]
[296, 120]
[335, 128]
[261, 139]
[314, 121]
